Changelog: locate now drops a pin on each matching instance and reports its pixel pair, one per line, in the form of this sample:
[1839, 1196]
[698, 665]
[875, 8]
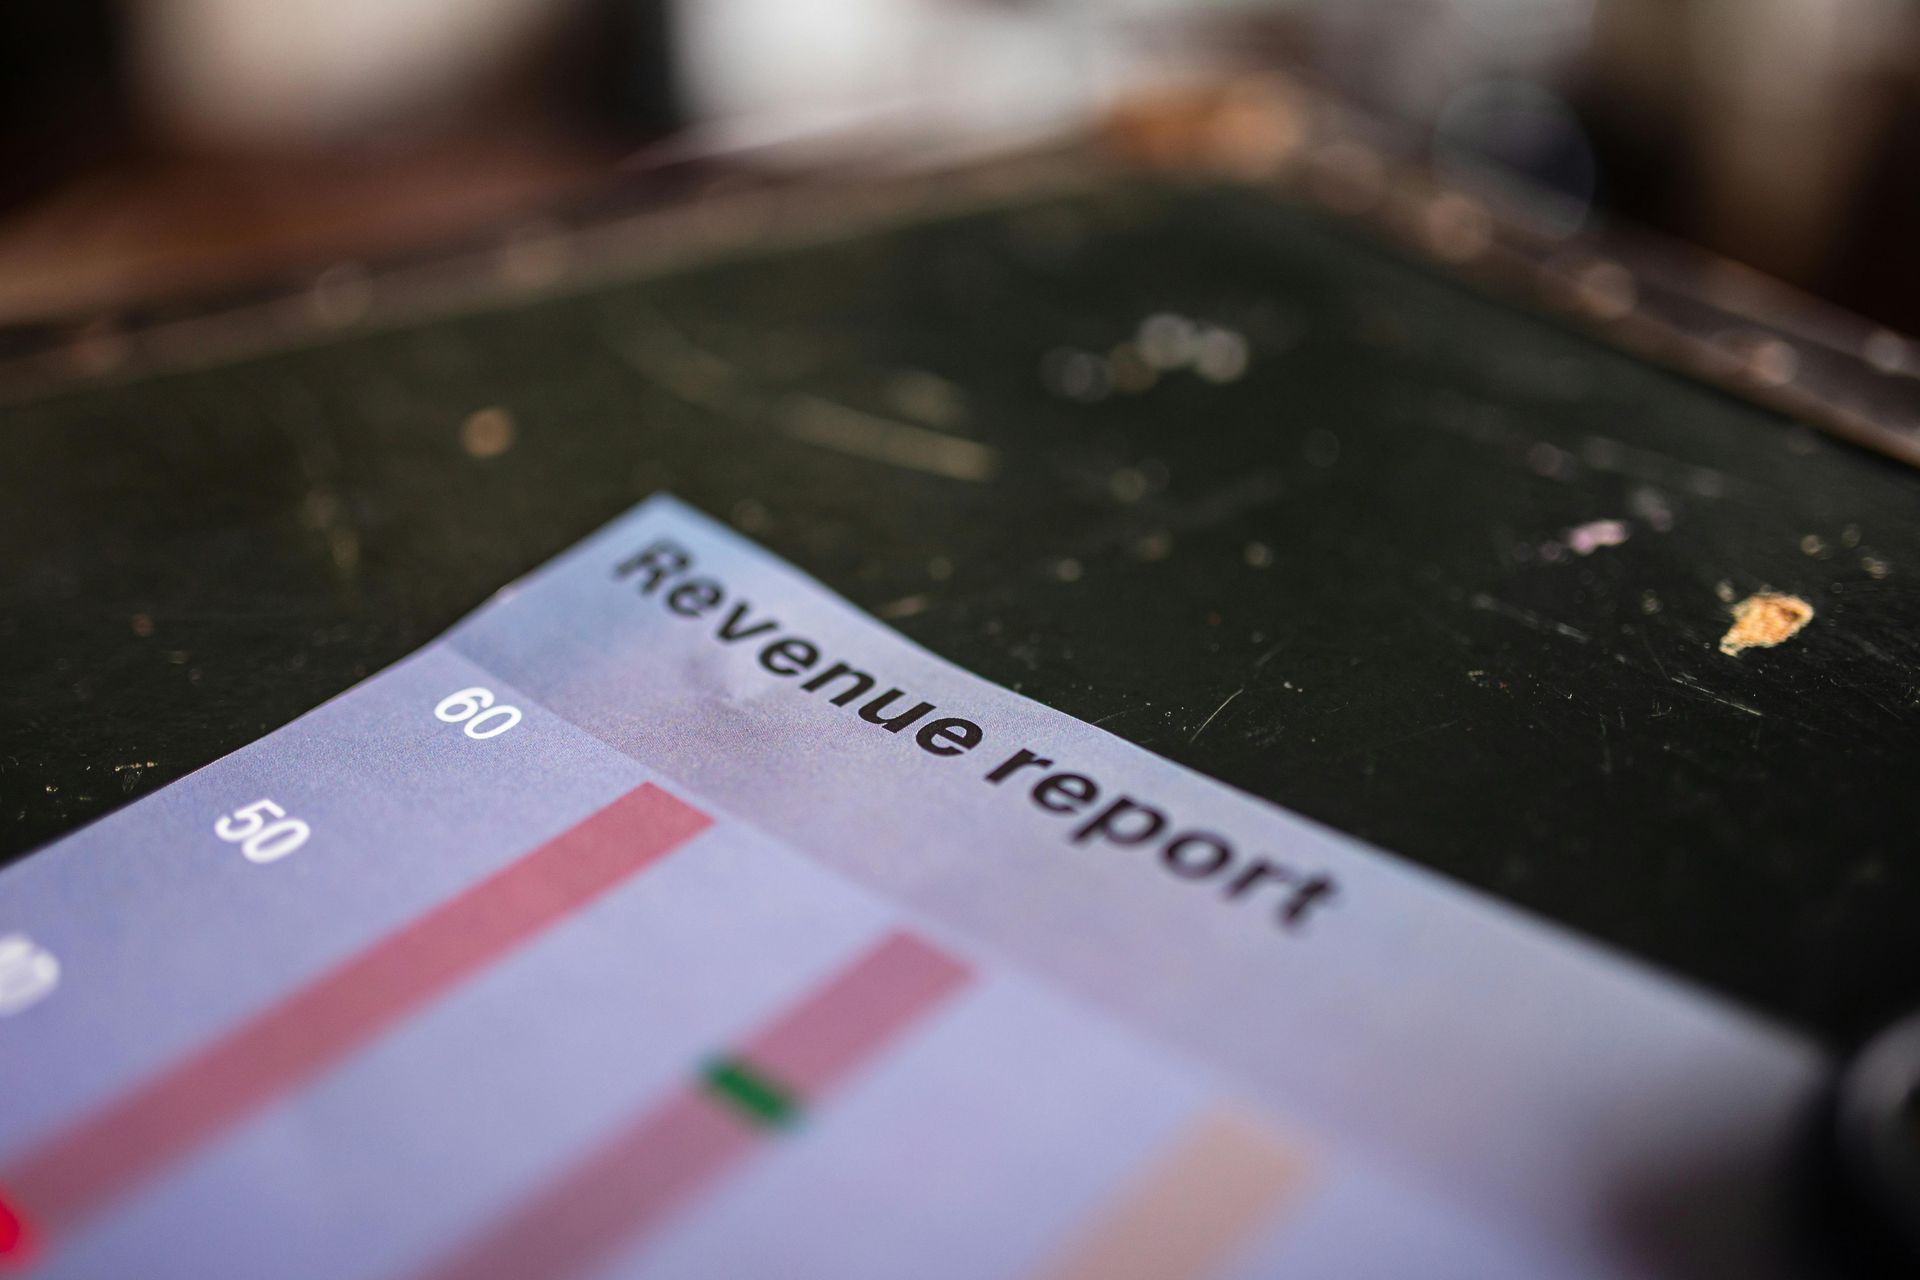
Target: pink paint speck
[1590, 537]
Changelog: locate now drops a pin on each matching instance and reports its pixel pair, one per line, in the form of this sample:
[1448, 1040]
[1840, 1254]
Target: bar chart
[773, 1084]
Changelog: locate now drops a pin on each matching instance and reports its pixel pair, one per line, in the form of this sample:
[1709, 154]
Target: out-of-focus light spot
[28, 974]
[1549, 460]
[487, 433]
[1605, 290]
[1128, 484]
[750, 515]
[1076, 375]
[1456, 227]
[1769, 362]
[1154, 546]
[535, 255]
[1165, 340]
[1256, 129]
[927, 397]
[1220, 355]
[341, 295]
[1888, 352]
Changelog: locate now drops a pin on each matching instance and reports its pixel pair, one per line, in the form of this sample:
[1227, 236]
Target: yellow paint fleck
[1763, 620]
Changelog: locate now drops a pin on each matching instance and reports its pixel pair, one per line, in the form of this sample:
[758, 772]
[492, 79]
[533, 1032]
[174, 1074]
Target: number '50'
[475, 709]
[263, 831]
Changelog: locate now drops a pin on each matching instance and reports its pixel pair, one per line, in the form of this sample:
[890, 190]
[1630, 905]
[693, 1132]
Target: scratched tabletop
[1228, 479]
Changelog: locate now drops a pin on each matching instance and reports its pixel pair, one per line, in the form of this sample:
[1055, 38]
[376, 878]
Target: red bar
[832, 1032]
[658, 1161]
[77, 1172]
[626, 1188]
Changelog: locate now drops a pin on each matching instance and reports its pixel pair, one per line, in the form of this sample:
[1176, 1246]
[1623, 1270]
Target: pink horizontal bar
[815, 1044]
[73, 1175]
[629, 1186]
[624, 1189]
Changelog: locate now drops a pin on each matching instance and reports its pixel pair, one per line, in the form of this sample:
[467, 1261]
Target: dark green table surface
[1331, 581]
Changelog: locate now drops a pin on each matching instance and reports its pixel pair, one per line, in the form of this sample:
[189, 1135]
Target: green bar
[759, 1099]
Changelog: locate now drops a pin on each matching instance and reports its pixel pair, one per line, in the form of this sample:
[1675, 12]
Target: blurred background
[153, 148]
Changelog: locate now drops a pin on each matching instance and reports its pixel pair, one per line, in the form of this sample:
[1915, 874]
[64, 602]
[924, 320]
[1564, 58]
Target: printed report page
[670, 917]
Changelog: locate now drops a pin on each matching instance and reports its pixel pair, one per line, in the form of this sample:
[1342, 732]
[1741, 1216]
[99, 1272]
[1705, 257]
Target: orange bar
[1222, 1179]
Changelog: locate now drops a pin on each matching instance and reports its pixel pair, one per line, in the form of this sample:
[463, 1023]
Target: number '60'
[476, 710]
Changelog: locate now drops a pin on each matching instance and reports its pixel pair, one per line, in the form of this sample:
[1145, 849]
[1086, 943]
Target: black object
[1877, 1136]
[1361, 576]
[65, 100]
